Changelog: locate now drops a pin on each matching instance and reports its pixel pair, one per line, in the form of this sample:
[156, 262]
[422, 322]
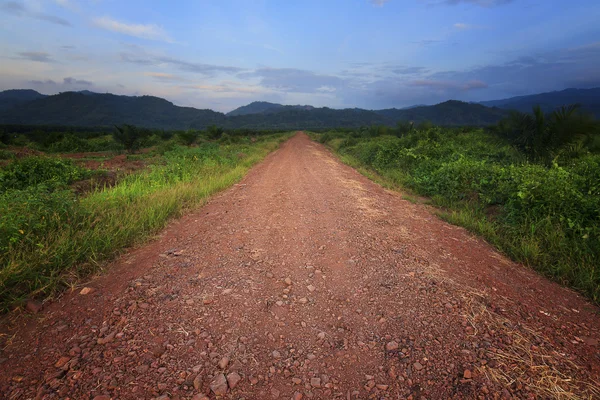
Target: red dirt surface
[307, 280]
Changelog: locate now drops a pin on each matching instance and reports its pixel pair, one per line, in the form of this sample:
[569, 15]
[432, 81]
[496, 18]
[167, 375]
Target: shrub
[54, 173]
[188, 137]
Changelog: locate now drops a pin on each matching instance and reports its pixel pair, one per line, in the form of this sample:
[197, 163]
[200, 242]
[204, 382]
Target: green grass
[546, 217]
[63, 238]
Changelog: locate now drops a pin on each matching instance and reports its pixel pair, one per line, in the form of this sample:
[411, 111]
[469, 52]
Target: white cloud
[144, 31]
[465, 27]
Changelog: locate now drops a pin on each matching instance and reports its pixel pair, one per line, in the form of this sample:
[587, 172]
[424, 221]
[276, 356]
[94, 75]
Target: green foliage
[130, 136]
[188, 137]
[529, 192]
[32, 171]
[214, 132]
[50, 237]
[563, 133]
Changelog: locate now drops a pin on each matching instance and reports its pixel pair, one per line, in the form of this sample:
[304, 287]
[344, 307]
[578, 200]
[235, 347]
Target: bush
[54, 173]
[188, 137]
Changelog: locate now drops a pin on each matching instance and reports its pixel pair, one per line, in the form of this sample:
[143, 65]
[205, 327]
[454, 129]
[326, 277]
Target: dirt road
[306, 280]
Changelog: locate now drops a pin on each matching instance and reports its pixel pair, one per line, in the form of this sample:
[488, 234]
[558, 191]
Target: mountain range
[85, 108]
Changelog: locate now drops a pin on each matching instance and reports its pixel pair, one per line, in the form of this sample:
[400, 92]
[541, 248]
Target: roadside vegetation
[52, 235]
[530, 184]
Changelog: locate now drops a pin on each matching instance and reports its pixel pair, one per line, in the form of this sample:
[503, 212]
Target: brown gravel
[307, 281]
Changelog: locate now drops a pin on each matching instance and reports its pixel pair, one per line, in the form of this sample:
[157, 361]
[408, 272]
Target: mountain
[292, 117]
[95, 109]
[588, 98]
[256, 107]
[11, 98]
[89, 109]
[451, 112]
[264, 107]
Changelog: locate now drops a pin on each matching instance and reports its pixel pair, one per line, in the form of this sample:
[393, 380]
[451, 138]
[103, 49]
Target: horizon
[293, 105]
[369, 54]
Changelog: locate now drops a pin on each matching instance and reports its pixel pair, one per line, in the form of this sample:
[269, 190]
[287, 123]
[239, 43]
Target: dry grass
[528, 362]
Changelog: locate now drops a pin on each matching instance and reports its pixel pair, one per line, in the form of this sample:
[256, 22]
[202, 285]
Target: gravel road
[307, 281]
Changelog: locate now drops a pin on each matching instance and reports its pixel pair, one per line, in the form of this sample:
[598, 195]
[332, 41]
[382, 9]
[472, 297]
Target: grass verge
[62, 241]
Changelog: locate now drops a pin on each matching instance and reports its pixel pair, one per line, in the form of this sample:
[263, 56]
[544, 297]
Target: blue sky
[221, 54]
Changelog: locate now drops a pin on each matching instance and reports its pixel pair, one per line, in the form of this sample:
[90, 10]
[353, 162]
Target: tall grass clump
[49, 238]
[530, 186]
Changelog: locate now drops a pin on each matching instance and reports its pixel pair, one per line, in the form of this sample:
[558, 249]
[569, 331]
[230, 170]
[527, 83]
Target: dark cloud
[46, 82]
[206, 69]
[409, 70]
[449, 85]
[142, 58]
[38, 56]
[77, 82]
[536, 73]
[294, 80]
[19, 10]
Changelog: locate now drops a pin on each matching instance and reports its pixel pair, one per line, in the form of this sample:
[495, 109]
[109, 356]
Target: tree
[188, 137]
[129, 136]
[214, 132]
[543, 138]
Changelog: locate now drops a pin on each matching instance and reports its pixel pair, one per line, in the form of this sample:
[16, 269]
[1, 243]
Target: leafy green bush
[31, 213]
[188, 137]
[32, 171]
[6, 155]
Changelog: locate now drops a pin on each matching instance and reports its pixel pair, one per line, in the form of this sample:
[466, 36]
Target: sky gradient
[221, 54]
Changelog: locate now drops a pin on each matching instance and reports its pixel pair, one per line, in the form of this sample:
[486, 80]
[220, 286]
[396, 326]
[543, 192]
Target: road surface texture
[307, 280]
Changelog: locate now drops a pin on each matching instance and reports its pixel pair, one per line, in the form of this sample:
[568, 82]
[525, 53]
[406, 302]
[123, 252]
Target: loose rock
[219, 385]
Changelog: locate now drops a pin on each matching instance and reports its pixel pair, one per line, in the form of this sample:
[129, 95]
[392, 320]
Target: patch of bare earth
[306, 280]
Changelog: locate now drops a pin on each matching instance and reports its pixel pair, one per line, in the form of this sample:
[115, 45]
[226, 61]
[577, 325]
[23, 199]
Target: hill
[588, 98]
[11, 98]
[264, 107]
[451, 112]
[256, 107]
[91, 109]
[85, 109]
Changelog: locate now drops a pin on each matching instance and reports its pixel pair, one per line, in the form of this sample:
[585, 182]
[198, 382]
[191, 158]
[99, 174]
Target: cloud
[228, 87]
[164, 77]
[37, 56]
[426, 42]
[378, 3]
[466, 27]
[138, 56]
[294, 80]
[449, 85]
[535, 73]
[46, 82]
[78, 82]
[147, 31]
[19, 10]
[408, 70]
[206, 69]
